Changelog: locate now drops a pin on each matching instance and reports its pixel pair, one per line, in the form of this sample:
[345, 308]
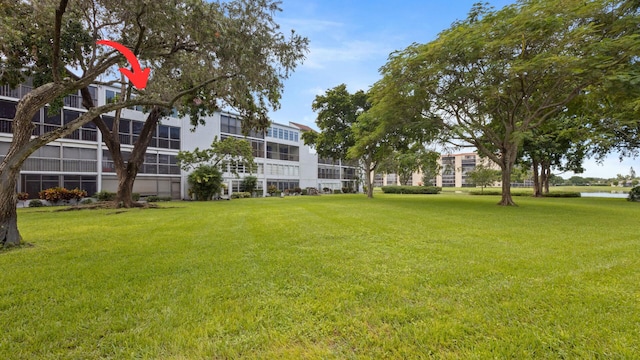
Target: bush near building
[395, 189]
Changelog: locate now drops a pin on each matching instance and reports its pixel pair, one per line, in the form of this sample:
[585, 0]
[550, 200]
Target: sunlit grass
[338, 276]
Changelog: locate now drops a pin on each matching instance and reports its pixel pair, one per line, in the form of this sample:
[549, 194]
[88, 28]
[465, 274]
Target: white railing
[19, 92]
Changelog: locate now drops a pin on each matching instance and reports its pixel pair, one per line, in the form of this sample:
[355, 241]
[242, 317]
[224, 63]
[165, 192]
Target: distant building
[454, 169]
[453, 172]
[82, 160]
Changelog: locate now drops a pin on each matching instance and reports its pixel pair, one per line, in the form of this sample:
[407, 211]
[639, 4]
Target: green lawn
[336, 276]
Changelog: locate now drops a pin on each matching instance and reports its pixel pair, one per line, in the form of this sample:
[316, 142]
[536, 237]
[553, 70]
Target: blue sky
[351, 39]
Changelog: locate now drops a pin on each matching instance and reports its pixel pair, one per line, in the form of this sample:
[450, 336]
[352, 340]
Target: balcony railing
[19, 92]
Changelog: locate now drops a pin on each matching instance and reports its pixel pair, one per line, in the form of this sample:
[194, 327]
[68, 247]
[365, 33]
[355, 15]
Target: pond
[612, 194]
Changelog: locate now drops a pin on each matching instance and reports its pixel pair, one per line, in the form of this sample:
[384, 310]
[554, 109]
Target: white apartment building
[453, 172]
[82, 160]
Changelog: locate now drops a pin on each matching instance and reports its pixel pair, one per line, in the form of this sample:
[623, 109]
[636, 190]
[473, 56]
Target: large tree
[337, 112]
[497, 75]
[242, 57]
[54, 43]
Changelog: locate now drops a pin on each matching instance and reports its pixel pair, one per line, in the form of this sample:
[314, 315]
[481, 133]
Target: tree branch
[55, 62]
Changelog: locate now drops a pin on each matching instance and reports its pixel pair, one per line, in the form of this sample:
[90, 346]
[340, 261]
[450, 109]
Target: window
[7, 110]
[111, 96]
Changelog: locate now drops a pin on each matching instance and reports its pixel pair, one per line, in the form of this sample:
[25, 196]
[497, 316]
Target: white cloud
[348, 52]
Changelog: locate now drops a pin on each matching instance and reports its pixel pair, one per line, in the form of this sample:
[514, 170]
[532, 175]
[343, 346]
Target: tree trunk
[537, 186]
[367, 178]
[508, 159]
[546, 170]
[19, 150]
[9, 233]
[127, 176]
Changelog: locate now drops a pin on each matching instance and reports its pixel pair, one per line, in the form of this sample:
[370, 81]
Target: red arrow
[136, 75]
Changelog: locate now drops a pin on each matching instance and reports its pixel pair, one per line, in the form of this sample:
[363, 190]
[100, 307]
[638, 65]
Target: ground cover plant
[397, 276]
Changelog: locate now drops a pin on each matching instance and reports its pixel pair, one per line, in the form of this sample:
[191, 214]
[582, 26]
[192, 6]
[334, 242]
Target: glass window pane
[137, 127]
[7, 109]
[70, 115]
[52, 119]
[163, 131]
[175, 133]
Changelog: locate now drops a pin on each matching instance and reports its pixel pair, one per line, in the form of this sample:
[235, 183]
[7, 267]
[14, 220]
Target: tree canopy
[202, 55]
[492, 78]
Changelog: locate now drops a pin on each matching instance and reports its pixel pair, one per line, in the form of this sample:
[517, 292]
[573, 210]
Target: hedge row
[496, 192]
[563, 194]
[241, 195]
[395, 189]
[558, 194]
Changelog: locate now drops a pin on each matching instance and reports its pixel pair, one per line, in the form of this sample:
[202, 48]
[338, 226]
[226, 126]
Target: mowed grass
[337, 276]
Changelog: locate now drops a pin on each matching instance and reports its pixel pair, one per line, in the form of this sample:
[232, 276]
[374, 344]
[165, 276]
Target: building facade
[454, 169]
[82, 160]
[453, 172]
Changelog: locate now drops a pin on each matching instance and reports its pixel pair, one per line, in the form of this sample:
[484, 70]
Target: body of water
[605, 194]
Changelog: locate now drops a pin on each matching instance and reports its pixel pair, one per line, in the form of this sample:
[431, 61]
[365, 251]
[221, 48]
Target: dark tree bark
[19, 150]
[126, 171]
[127, 174]
[508, 159]
[546, 171]
[537, 187]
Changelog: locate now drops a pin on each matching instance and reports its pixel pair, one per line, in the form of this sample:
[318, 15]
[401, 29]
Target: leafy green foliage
[236, 152]
[337, 111]
[634, 194]
[397, 189]
[249, 184]
[205, 181]
[105, 196]
[156, 198]
[35, 203]
[563, 194]
[491, 79]
[241, 195]
[483, 176]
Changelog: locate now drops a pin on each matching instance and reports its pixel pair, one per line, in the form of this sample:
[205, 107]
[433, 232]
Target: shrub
[562, 194]
[22, 196]
[249, 184]
[241, 195]
[634, 194]
[77, 194]
[286, 192]
[337, 191]
[498, 193]
[326, 190]
[36, 203]
[272, 189]
[105, 196]
[57, 194]
[135, 196]
[304, 192]
[297, 190]
[86, 201]
[155, 198]
[396, 189]
[206, 181]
